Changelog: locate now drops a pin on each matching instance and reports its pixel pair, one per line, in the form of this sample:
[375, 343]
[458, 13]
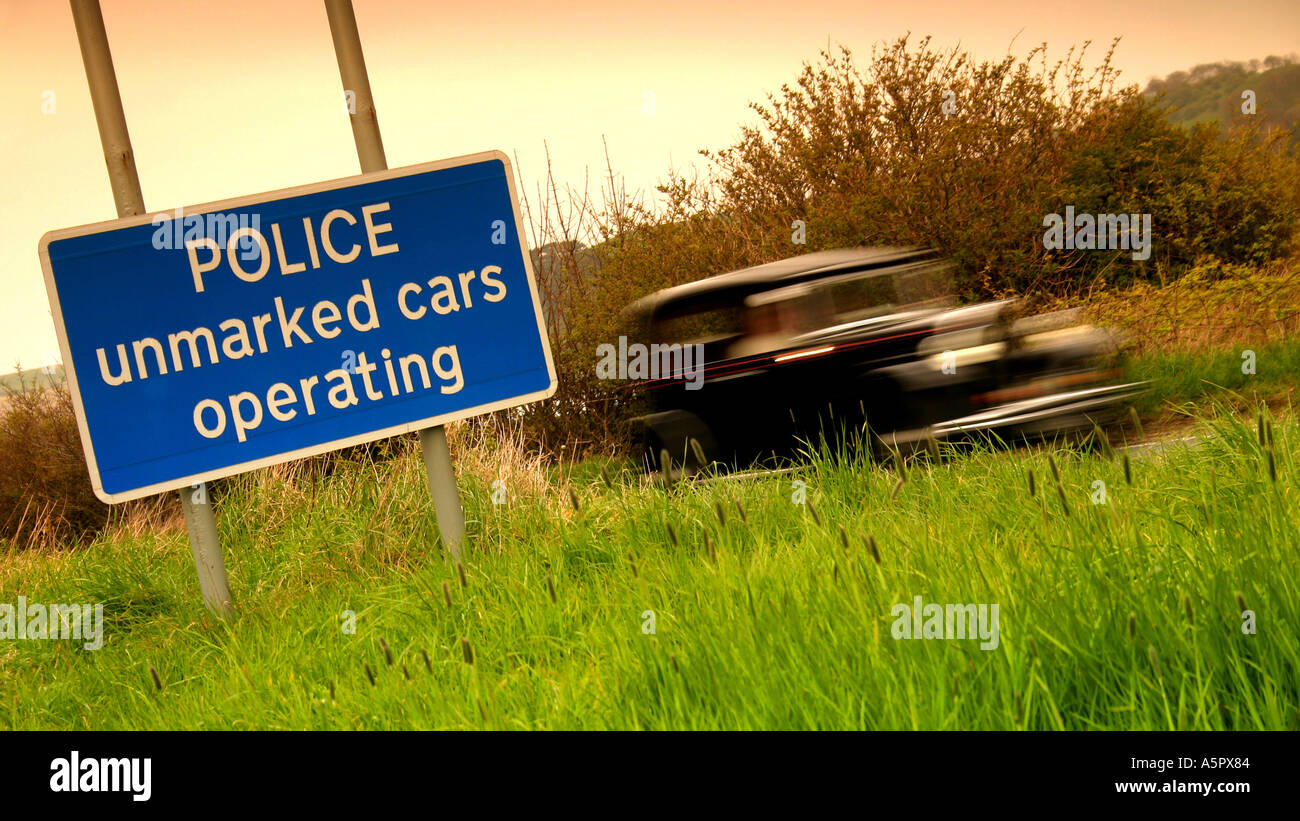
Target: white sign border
[255, 199]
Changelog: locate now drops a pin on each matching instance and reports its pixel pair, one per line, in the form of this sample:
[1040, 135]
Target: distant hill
[558, 266]
[1212, 92]
[14, 382]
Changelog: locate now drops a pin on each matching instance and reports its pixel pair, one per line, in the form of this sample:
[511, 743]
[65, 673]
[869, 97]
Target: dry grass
[1213, 306]
[485, 453]
[159, 514]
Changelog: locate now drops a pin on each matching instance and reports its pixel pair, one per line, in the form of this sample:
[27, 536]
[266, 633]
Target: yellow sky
[232, 97]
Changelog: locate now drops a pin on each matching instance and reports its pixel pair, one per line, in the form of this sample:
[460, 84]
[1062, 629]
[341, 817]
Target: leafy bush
[927, 147]
[1229, 197]
[45, 493]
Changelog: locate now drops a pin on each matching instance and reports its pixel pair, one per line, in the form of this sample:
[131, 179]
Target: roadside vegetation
[1219, 334]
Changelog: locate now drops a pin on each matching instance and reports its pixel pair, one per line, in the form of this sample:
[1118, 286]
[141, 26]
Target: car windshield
[925, 283]
[866, 296]
[810, 306]
[863, 298]
[701, 326]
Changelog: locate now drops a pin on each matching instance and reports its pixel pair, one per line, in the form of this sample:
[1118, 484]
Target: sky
[233, 97]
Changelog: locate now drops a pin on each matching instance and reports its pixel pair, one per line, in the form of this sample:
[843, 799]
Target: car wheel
[676, 443]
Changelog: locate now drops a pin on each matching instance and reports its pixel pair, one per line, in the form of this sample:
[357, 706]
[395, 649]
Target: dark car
[826, 346]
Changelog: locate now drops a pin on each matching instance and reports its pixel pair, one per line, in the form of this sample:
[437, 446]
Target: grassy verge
[765, 613]
[1189, 337]
[1185, 383]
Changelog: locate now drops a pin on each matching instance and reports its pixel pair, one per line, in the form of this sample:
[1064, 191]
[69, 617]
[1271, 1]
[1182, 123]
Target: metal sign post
[113, 135]
[370, 151]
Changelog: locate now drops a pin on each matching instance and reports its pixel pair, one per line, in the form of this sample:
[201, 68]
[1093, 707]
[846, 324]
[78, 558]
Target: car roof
[731, 288]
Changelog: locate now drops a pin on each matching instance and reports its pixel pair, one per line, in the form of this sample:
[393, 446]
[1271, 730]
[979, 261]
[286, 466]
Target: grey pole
[207, 549]
[370, 150]
[109, 116]
[89, 20]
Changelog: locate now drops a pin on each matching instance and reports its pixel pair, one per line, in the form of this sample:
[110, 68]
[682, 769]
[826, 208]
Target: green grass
[1117, 615]
[1198, 379]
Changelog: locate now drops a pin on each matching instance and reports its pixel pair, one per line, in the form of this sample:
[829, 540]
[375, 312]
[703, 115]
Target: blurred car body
[825, 346]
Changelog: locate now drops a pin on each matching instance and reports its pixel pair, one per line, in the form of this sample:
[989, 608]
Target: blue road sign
[224, 337]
